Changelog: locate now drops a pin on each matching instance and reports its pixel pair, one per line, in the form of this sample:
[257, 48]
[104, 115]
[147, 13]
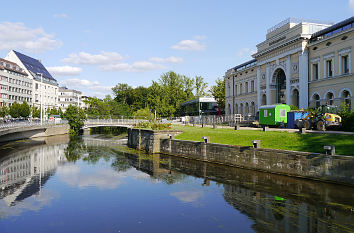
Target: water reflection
[272, 203]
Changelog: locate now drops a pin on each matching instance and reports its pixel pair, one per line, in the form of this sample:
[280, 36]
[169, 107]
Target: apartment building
[44, 86]
[15, 85]
[69, 97]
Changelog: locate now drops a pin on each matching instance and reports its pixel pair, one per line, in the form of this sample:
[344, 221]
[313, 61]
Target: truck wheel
[307, 124]
[321, 126]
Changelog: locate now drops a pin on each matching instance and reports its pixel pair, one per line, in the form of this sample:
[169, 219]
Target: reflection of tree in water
[76, 148]
[171, 178]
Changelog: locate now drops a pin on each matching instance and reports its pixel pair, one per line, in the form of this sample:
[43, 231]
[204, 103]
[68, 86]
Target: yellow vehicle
[323, 117]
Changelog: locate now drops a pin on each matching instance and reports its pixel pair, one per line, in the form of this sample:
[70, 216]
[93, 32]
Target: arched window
[330, 98]
[253, 109]
[316, 99]
[346, 98]
[295, 98]
[246, 109]
[236, 108]
[264, 99]
[241, 109]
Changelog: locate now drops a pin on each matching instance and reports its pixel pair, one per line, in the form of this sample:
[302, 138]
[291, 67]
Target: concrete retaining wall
[148, 140]
[339, 169]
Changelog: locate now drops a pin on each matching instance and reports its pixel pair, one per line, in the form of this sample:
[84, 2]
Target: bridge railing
[12, 124]
[122, 121]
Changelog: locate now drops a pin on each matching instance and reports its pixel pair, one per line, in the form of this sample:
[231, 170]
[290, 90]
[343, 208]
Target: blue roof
[34, 65]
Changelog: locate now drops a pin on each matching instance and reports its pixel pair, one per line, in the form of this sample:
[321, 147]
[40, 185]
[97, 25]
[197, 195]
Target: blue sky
[93, 45]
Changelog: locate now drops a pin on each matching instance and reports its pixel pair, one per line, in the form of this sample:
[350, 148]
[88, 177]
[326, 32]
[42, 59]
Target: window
[315, 71]
[241, 89]
[346, 98]
[282, 113]
[246, 87]
[329, 67]
[345, 64]
[330, 98]
[235, 90]
[265, 113]
[36, 86]
[252, 86]
[317, 100]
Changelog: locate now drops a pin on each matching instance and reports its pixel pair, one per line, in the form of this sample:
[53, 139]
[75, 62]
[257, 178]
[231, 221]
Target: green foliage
[294, 107]
[144, 114]
[15, 110]
[4, 111]
[76, 118]
[154, 125]
[55, 111]
[25, 109]
[347, 117]
[36, 112]
[218, 92]
[200, 87]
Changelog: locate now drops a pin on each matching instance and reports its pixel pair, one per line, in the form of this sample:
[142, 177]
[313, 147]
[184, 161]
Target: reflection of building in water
[278, 214]
[23, 173]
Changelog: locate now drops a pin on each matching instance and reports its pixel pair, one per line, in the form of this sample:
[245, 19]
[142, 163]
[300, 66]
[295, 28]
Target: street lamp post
[41, 97]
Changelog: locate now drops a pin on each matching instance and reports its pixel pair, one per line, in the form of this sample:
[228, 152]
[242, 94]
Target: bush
[154, 125]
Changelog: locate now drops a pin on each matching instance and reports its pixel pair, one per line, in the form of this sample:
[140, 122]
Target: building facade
[301, 62]
[69, 97]
[44, 86]
[15, 86]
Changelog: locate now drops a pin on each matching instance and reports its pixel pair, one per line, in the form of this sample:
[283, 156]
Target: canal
[97, 184]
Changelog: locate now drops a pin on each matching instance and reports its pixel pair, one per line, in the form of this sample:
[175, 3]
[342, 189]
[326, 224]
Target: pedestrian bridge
[128, 123]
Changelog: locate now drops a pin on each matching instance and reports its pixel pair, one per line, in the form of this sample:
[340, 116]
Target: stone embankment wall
[148, 140]
[336, 168]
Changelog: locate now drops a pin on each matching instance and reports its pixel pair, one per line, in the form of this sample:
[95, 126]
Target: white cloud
[64, 70]
[18, 36]
[60, 16]
[187, 196]
[102, 179]
[200, 37]
[94, 59]
[189, 45]
[77, 83]
[139, 66]
[171, 59]
[245, 52]
[351, 4]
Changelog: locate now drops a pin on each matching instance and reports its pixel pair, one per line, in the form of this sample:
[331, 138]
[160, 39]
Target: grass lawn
[276, 140]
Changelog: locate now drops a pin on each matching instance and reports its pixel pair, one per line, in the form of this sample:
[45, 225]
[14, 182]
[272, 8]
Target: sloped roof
[34, 66]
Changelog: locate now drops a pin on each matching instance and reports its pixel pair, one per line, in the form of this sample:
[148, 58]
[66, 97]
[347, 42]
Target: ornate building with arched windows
[302, 62]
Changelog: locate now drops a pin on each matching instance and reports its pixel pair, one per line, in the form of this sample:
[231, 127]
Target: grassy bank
[275, 140]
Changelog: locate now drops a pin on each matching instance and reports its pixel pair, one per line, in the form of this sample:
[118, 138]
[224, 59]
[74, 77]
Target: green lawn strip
[271, 139]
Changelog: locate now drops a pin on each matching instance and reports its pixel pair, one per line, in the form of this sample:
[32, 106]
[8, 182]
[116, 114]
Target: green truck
[273, 114]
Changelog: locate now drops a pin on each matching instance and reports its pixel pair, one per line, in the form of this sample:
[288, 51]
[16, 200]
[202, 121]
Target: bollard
[206, 139]
[330, 150]
[256, 143]
[302, 130]
[214, 126]
[265, 128]
[237, 127]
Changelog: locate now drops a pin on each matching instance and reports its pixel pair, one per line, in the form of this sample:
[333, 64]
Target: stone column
[288, 77]
[268, 81]
[258, 104]
[303, 79]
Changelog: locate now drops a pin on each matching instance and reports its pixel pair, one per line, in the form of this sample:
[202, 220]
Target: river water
[95, 184]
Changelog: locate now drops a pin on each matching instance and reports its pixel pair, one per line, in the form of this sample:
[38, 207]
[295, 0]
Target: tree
[4, 111]
[218, 92]
[123, 93]
[97, 107]
[36, 112]
[15, 110]
[76, 118]
[144, 113]
[25, 110]
[200, 87]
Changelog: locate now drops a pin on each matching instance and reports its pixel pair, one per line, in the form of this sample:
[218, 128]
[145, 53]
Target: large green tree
[25, 109]
[15, 110]
[218, 92]
[76, 118]
[4, 111]
[200, 87]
